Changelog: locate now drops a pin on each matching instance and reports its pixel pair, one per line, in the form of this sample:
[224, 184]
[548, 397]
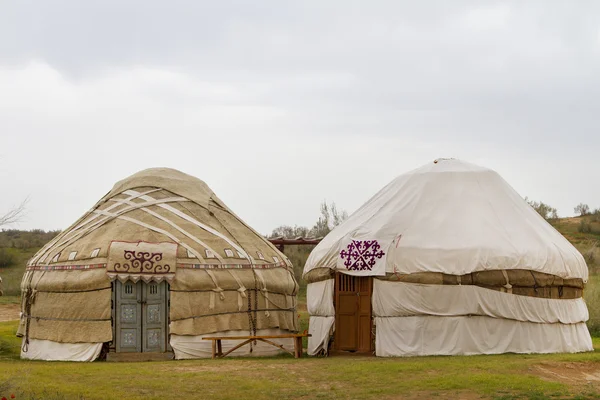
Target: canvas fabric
[468, 335]
[216, 258]
[449, 217]
[234, 321]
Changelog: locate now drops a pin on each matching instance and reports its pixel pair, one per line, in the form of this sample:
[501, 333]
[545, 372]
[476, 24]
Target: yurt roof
[161, 205]
[448, 216]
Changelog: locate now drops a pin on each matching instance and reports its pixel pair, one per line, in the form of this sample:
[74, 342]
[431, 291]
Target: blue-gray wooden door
[154, 316]
[140, 317]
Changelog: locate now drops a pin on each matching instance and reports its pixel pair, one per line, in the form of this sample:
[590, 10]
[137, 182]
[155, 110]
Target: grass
[504, 376]
[11, 276]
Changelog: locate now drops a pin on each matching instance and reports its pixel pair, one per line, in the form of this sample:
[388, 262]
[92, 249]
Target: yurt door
[353, 322]
[140, 317]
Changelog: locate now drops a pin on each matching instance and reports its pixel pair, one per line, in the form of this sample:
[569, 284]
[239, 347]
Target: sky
[280, 105]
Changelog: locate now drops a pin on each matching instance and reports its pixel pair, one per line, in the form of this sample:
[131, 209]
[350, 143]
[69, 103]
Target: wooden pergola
[281, 242]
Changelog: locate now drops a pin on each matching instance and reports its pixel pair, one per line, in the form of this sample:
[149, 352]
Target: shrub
[7, 258]
[584, 227]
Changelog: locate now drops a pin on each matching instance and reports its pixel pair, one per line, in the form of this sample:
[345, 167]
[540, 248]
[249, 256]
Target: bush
[584, 227]
[8, 258]
[590, 256]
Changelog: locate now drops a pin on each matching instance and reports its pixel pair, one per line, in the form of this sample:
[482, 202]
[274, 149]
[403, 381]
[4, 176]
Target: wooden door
[353, 323]
[154, 317]
[140, 317]
[128, 317]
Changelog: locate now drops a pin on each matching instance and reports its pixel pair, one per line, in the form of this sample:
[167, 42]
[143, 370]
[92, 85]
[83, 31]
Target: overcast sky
[279, 105]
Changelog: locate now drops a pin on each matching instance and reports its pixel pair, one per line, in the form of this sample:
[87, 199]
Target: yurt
[447, 259]
[156, 265]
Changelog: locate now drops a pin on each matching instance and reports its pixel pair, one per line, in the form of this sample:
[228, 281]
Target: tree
[543, 209]
[329, 219]
[15, 215]
[582, 209]
[290, 232]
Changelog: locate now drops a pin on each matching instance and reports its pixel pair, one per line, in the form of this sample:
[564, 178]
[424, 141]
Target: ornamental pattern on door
[140, 316]
[353, 322]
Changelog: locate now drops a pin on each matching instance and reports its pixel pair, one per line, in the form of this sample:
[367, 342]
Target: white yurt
[159, 263]
[446, 259]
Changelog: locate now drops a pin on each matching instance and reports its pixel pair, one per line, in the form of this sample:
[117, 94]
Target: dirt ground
[9, 312]
[570, 373]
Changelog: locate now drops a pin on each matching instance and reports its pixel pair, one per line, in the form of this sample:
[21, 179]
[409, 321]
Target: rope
[236, 312]
[252, 314]
[508, 286]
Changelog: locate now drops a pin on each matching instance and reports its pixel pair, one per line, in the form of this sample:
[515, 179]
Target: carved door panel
[353, 322]
[128, 317]
[140, 317]
[155, 315]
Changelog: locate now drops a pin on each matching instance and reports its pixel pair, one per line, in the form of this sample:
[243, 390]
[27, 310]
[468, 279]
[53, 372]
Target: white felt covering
[55, 351]
[432, 335]
[320, 329]
[319, 302]
[399, 299]
[455, 218]
[319, 298]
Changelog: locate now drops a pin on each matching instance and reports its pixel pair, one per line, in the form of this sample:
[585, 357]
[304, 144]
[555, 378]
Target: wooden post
[298, 346]
[219, 350]
[214, 349]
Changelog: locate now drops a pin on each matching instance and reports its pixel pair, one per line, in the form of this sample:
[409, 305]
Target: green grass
[11, 276]
[502, 376]
[10, 300]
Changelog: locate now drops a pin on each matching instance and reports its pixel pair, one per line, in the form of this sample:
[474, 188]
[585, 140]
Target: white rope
[51, 243]
[241, 290]
[217, 289]
[110, 216]
[159, 230]
[180, 229]
[195, 222]
[508, 286]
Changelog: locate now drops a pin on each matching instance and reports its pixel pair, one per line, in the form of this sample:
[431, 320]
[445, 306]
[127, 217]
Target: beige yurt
[156, 265]
[446, 259]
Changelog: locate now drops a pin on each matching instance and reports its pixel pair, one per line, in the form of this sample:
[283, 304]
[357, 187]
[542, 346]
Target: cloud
[279, 106]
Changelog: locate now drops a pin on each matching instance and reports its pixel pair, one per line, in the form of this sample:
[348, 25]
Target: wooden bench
[217, 351]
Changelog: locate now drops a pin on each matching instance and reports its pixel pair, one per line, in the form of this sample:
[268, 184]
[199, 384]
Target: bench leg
[219, 349]
[214, 349]
[298, 347]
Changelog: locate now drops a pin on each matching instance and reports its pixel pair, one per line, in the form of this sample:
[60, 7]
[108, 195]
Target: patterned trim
[185, 266]
[231, 266]
[63, 267]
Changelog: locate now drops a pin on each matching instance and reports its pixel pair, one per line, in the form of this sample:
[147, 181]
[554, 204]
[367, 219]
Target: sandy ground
[571, 373]
[9, 312]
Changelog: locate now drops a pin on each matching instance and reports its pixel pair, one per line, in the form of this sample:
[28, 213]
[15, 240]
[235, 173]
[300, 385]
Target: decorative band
[63, 267]
[231, 266]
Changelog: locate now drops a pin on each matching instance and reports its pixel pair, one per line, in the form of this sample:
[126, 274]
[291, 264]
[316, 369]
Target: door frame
[115, 306]
[340, 279]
